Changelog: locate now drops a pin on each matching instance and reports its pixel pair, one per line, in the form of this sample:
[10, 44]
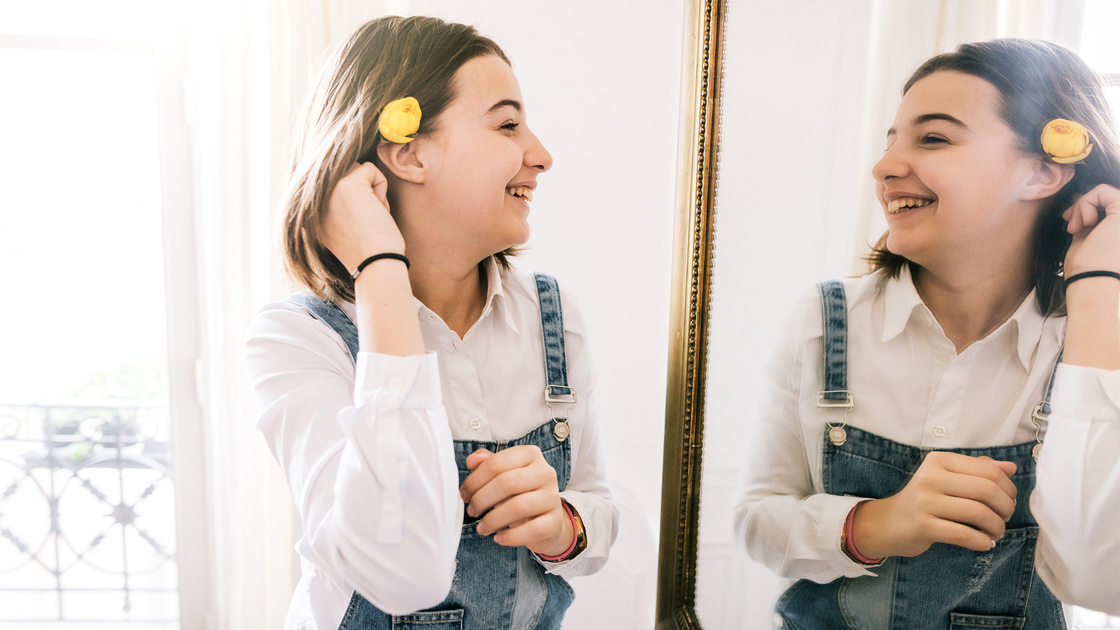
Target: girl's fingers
[983, 491]
[528, 532]
[516, 509]
[971, 513]
[532, 472]
[510, 483]
[984, 468]
[960, 535]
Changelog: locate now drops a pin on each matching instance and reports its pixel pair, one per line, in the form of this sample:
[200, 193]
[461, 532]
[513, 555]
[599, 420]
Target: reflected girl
[398, 388]
[891, 467]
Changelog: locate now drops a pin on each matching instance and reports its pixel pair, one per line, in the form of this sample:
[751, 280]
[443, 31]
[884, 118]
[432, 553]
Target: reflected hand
[951, 498]
[517, 491]
[1096, 238]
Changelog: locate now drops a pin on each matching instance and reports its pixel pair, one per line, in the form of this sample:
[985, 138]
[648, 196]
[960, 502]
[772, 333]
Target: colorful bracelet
[848, 545]
[1090, 274]
[575, 537]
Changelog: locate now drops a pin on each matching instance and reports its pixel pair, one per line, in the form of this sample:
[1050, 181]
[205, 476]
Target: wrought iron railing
[86, 513]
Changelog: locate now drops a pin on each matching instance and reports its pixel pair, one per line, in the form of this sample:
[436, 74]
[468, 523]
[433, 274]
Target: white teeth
[899, 205]
[523, 192]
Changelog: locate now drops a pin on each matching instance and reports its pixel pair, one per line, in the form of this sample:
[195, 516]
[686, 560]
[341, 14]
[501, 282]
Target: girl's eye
[934, 140]
[510, 126]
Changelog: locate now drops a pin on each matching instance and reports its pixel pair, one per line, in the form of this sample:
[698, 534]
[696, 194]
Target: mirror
[791, 102]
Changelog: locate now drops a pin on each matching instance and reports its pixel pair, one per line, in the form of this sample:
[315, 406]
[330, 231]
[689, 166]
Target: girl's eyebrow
[506, 102]
[925, 118]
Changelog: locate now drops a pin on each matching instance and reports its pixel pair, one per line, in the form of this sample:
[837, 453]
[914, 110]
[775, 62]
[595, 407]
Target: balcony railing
[86, 513]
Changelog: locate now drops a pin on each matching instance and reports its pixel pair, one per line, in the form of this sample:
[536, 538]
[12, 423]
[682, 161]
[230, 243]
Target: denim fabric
[945, 587]
[834, 314]
[552, 329]
[494, 587]
[331, 315]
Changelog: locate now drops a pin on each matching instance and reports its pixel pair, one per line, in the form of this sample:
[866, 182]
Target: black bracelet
[1090, 274]
[376, 257]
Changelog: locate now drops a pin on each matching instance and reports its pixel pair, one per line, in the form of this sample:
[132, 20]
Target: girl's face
[952, 179]
[483, 162]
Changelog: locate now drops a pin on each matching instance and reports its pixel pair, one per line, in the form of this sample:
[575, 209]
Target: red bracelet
[850, 543]
[575, 537]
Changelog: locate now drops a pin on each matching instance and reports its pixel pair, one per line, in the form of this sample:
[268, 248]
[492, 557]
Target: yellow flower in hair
[1065, 141]
[399, 120]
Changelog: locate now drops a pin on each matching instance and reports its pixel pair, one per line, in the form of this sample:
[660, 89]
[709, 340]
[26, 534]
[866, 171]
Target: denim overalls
[945, 587]
[494, 587]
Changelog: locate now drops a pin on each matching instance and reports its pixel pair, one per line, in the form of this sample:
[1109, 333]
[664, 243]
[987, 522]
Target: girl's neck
[969, 305]
[454, 289]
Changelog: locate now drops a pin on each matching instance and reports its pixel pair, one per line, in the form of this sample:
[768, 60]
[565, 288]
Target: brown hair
[383, 60]
[1038, 82]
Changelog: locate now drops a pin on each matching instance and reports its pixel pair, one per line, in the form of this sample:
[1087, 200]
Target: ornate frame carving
[701, 85]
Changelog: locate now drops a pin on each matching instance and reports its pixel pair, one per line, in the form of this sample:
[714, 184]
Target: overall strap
[556, 390]
[1041, 411]
[552, 329]
[333, 316]
[1044, 406]
[834, 355]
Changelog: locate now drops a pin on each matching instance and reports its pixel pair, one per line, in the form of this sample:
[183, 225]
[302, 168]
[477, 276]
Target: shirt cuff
[1086, 393]
[390, 382]
[829, 527]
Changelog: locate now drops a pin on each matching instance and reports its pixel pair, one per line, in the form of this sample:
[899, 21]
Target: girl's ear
[404, 160]
[1047, 178]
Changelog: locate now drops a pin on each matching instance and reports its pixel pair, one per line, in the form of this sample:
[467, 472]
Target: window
[89, 472]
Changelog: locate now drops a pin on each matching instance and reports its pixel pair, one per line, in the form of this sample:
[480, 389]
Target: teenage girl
[890, 470]
[431, 406]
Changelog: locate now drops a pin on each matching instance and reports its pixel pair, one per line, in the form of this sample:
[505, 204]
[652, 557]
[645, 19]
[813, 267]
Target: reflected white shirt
[910, 386]
[320, 414]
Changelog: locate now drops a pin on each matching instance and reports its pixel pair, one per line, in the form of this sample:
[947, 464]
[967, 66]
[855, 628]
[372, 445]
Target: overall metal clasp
[836, 432]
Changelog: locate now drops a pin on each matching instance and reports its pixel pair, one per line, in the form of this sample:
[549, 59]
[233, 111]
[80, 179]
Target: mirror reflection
[796, 206]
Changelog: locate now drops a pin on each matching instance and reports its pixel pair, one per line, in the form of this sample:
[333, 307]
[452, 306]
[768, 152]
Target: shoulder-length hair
[1037, 82]
[383, 60]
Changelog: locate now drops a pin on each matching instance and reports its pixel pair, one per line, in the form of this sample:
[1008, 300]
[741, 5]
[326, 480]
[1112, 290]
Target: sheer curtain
[248, 65]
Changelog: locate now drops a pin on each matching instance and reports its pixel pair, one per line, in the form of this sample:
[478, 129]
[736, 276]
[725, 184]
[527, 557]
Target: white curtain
[248, 65]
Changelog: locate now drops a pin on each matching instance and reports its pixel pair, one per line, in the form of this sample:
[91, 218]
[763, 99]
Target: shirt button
[939, 431]
[476, 424]
[778, 621]
[396, 384]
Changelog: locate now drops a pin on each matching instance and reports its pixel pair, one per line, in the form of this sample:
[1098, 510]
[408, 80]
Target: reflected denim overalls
[945, 587]
[494, 587]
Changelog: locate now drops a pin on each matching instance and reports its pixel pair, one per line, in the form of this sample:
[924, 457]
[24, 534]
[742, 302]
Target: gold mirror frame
[698, 147]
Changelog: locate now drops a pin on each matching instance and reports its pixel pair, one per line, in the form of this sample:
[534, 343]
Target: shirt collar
[901, 300]
[494, 290]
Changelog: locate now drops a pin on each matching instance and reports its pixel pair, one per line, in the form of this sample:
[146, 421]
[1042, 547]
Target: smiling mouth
[899, 206]
[521, 192]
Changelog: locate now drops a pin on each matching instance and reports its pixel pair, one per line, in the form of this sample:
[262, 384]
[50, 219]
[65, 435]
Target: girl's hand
[516, 489]
[1092, 331]
[1096, 239]
[357, 223]
[952, 498]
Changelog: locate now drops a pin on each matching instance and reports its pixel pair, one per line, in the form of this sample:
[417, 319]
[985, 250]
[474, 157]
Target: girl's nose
[890, 165]
[536, 156]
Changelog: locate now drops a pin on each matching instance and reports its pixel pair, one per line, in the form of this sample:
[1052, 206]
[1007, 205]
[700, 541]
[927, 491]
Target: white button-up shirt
[367, 452]
[910, 385]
